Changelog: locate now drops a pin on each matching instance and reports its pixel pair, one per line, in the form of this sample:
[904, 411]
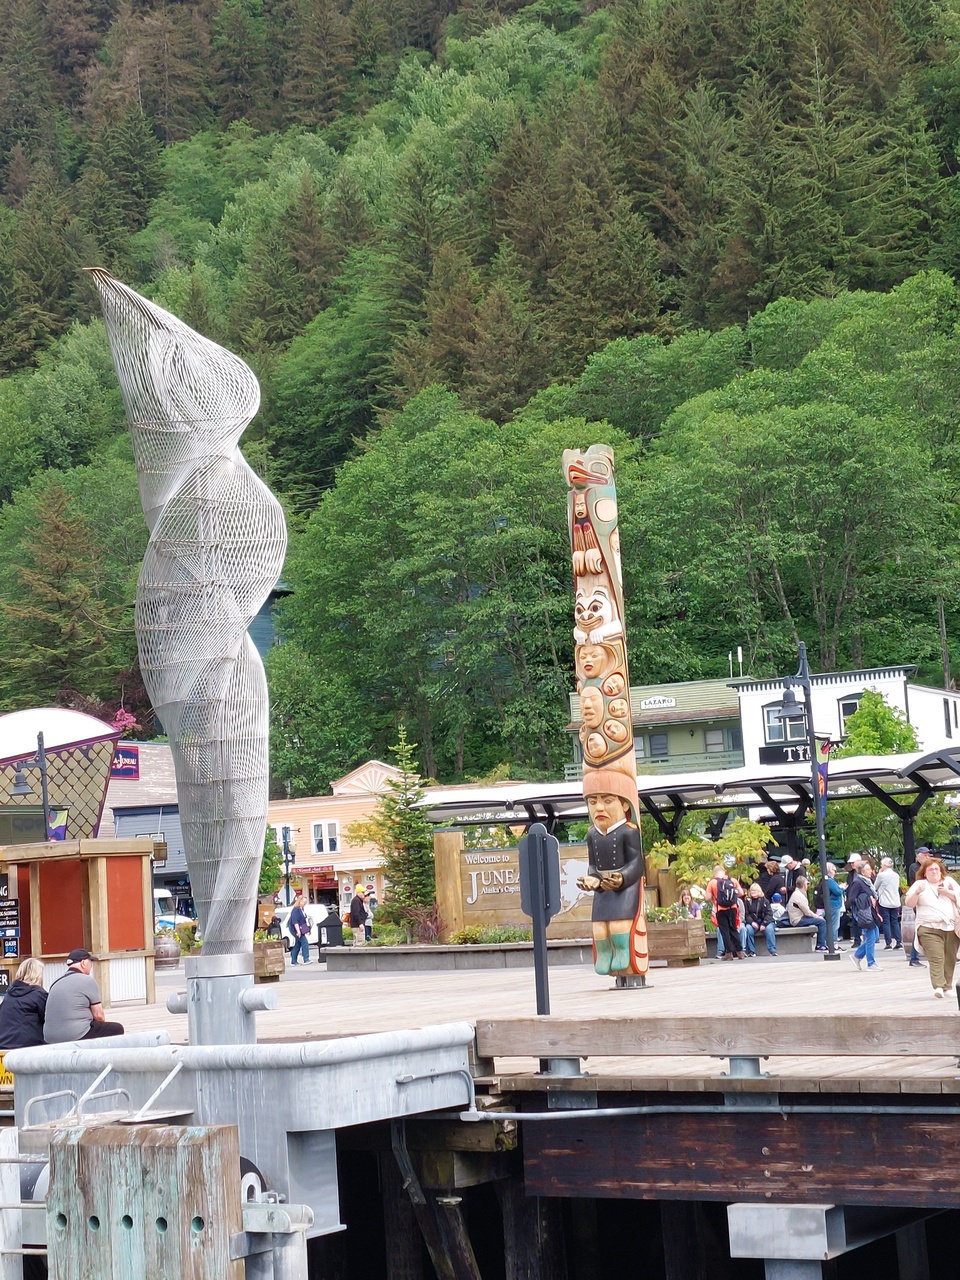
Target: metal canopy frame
[902, 782]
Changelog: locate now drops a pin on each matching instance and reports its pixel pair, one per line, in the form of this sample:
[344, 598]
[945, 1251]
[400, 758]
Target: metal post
[802, 678]
[288, 858]
[44, 794]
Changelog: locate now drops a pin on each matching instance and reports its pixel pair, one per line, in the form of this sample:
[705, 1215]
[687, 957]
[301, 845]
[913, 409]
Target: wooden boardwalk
[314, 1005]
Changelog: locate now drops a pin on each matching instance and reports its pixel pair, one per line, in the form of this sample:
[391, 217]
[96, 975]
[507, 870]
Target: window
[639, 747]
[658, 745]
[736, 738]
[792, 730]
[946, 717]
[848, 706]
[326, 836]
[713, 740]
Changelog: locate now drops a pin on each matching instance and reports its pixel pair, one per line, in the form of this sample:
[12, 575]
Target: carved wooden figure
[615, 871]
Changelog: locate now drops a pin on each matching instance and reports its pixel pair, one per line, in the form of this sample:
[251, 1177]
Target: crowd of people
[71, 1010]
[868, 905]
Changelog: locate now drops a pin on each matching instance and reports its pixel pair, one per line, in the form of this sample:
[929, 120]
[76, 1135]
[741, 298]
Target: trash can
[329, 932]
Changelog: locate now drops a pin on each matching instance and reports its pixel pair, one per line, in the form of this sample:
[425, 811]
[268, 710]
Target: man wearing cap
[915, 868]
[74, 1007]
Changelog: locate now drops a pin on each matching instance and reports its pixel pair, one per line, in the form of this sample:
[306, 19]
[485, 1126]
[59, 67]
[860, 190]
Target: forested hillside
[453, 240]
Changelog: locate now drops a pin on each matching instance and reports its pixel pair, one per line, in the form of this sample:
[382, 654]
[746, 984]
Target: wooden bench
[791, 941]
[743, 1039]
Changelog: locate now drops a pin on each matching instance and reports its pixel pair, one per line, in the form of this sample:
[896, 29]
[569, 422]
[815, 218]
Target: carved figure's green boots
[604, 955]
[621, 952]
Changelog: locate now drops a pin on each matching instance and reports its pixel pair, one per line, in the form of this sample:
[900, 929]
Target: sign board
[10, 913]
[4, 980]
[4, 885]
[126, 764]
[659, 703]
[11, 949]
[785, 753]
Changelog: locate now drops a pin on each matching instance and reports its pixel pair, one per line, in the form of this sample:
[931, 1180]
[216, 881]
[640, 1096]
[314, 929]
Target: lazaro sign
[659, 703]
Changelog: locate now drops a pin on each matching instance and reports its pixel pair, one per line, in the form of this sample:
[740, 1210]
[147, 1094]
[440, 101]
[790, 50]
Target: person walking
[798, 909]
[757, 919]
[833, 904]
[861, 900]
[935, 897]
[888, 897]
[21, 1013]
[299, 927]
[74, 1009]
[358, 915]
[853, 862]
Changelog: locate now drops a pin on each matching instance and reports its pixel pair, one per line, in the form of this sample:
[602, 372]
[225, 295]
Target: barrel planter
[166, 951]
[678, 942]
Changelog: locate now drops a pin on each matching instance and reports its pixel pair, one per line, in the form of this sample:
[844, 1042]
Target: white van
[165, 911]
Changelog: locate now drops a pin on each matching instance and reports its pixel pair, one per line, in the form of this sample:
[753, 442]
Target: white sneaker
[939, 992]
[854, 959]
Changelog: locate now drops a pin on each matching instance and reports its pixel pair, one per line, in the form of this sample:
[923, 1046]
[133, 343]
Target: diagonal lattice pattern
[217, 542]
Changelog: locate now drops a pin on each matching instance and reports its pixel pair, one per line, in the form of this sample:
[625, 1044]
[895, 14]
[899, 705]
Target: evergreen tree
[176, 53]
[439, 350]
[505, 363]
[27, 112]
[240, 41]
[54, 628]
[74, 30]
[318, 65]
[400, 830]
[271, 865]
[45, 268]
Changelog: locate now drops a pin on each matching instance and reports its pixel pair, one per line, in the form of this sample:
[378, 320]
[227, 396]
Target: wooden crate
[269, 961]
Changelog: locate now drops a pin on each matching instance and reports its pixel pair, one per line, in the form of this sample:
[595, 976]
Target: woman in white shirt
[887, 885]
[936, 898]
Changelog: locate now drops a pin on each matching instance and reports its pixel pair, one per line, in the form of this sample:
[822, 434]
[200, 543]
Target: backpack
[726, 892]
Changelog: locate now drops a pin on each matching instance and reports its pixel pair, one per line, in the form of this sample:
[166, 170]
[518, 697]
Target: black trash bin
[329, 933]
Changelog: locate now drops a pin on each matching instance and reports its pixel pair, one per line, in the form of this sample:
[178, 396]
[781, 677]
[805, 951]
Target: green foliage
[739, 848]
[489, 935]
[876, 729]
[271, 865]
[404, 838]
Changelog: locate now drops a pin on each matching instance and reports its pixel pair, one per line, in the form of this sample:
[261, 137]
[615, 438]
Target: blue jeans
[743, 940]
[769, 932]
[833, 920]
[891, 924]
[821, 928]
[865, 949]
[301, 946]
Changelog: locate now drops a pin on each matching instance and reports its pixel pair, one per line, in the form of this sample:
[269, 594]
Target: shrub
[187, 937]
[477, 935]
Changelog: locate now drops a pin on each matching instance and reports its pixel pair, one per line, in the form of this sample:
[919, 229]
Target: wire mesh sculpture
[217, 543]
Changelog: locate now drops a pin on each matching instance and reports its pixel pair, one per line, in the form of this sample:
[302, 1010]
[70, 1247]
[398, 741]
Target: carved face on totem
[605, 811]
[593, 609]
[614, 685]
[619, 708]
[591, 706]
[593, 660]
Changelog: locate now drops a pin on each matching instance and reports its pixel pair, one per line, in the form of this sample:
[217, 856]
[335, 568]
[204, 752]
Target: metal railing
[686, 762]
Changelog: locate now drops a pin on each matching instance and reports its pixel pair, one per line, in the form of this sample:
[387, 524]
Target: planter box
[677, 941]
[269, 961]
[504, 955]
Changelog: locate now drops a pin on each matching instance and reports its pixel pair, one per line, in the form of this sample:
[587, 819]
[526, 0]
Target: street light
[289, 857]
[21, 787]
[790, 709]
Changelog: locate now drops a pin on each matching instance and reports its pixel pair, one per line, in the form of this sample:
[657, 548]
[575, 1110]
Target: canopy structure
[902, 782]
[78, 754]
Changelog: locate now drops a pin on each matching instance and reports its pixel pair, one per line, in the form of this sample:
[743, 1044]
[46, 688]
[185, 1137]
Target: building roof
[775, 683]
[901, 777]
[155, 788]
[679, 703]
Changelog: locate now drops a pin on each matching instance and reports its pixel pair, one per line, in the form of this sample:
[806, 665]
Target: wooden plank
[803, 1159]
[830, 1034]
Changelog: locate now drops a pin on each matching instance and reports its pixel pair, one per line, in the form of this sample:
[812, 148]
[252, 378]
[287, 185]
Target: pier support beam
[684, 1240]
[912, 1258]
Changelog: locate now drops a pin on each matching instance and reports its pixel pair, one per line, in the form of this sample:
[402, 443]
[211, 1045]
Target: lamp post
[21, 787]
[789, 709]
[289, 857]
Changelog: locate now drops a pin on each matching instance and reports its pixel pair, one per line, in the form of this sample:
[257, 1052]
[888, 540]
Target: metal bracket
[631, 982]
[572, 1100]
[411, 1184]
[744, 1067]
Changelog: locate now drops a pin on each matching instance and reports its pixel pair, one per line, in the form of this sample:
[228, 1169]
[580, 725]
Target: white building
[934, 713]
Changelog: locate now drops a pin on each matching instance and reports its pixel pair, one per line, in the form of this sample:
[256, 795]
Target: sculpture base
[631, 982]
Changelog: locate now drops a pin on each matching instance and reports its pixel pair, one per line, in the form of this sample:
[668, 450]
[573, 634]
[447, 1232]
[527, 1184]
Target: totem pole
[616, 869]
